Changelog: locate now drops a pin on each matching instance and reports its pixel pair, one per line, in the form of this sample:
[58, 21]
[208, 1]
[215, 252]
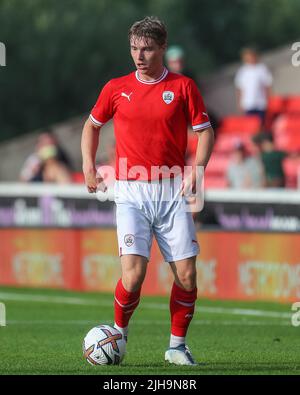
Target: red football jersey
[150, 122]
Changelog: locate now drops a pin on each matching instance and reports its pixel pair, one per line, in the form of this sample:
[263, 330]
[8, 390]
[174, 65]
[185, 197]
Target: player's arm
[89, 146]
[101, 113]
[204, 149]
[199, 120]
[206, 139]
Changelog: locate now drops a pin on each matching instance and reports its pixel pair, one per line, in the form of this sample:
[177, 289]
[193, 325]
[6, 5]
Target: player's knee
[133, 272]
[132, 282]
[188, 279]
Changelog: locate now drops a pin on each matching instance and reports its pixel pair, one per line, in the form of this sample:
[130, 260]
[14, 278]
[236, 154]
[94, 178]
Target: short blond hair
[149, 28]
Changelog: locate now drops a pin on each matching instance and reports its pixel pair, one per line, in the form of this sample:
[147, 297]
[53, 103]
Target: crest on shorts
[129, 240]
[168, 96]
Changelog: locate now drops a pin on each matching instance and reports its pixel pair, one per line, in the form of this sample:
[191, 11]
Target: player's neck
[152, 76]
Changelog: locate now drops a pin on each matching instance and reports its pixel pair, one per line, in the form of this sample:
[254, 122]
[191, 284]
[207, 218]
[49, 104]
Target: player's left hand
[189, 184]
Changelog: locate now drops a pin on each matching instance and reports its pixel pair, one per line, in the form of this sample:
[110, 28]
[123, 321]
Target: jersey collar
[163, 76]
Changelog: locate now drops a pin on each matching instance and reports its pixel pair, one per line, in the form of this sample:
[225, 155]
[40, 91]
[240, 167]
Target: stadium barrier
[60, 206]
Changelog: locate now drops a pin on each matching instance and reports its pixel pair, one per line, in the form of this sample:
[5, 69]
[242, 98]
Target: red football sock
[125, 304]
[182, 306]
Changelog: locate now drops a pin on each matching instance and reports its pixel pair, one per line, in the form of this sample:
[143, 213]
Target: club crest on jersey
[168, 96]
[129, 240]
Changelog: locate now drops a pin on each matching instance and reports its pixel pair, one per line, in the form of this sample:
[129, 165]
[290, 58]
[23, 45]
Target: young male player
[152, 109]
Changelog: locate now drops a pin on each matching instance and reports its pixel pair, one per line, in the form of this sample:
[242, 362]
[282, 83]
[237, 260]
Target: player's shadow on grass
[261, 367]
[162, 365]
[221, 367]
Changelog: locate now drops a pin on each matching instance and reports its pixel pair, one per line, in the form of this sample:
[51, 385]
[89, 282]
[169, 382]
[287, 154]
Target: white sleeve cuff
[201, 126]
[94, 120]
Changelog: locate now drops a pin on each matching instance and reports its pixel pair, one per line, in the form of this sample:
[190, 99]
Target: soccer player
[152, 108]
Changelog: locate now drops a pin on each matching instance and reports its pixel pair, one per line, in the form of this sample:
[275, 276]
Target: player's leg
[183, 298]
[182, 306]
[128, 290]
[176, 236]
[134, 239]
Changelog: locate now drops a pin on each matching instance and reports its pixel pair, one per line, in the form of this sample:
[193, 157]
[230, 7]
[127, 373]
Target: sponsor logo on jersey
[168, 96]
[127, 96]
[129, 240]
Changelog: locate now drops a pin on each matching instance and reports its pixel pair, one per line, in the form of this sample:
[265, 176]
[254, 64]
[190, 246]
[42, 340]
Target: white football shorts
[146, 208]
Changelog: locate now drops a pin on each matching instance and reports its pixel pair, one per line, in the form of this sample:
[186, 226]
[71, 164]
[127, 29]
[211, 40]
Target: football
[104, 345]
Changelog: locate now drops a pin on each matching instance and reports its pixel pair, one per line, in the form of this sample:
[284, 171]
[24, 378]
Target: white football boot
[180, 355]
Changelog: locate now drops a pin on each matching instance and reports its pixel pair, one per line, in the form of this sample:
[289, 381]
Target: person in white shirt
[253, 83]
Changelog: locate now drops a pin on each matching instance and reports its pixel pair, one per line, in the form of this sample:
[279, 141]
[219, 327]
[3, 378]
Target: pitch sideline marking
[146, 322]
[2, 314]
[160, 306]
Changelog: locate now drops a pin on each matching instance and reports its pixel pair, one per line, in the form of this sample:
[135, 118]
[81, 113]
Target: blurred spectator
[244, 171]
[31, 169]
[253, 82]
[272, 159]
[175, 59]
[46, 139]
[53, 169]
[49, 162]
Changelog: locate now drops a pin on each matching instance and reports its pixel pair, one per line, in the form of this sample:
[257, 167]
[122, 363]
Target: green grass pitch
[45, 329]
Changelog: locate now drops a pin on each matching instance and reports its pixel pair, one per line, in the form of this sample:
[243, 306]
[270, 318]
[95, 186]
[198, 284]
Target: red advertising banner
[99, 261]
[231, 265]
[40, 258]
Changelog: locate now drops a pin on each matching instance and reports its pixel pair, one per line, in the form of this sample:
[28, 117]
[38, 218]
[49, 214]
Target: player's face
[147, 56]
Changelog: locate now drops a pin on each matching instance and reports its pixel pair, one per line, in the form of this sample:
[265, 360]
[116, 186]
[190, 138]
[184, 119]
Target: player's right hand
[92, 180]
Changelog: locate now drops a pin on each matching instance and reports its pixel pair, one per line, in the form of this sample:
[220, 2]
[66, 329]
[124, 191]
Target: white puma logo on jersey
[128, 96]
[204, 113]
